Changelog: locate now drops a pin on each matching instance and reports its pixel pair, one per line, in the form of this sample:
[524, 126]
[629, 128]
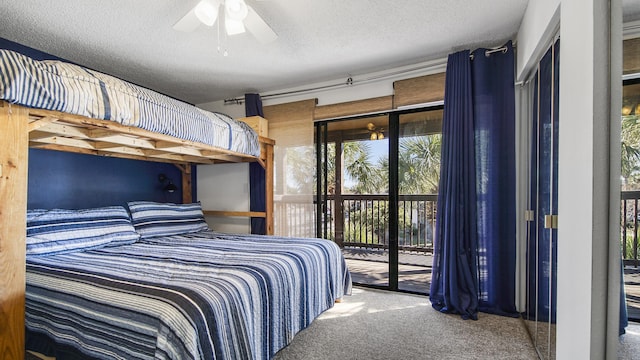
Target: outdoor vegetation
[366, 185]
[630, 172]
[630, 152]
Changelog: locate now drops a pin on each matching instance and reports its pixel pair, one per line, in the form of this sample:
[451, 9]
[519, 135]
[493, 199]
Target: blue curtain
[253, 107]
[494, 121]
[454, 283]
[474, 251]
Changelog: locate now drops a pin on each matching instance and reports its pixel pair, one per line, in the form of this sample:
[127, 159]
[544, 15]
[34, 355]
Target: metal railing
[362, 221]
[365, 221]
[630, 219]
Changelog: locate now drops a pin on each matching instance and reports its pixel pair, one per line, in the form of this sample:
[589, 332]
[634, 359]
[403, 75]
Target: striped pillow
[58, 230]
[162, 219]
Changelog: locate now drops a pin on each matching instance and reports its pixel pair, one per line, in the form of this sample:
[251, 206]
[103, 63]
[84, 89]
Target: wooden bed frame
[22, 127]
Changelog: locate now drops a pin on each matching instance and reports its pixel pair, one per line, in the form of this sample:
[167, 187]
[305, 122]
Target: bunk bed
[215, 295]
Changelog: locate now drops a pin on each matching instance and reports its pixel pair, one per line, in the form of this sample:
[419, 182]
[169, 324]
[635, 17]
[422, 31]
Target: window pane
[418, 177]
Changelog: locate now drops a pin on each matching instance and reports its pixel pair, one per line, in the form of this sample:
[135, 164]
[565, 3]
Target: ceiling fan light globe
[206, 12]
[233, 27]
[236, 9]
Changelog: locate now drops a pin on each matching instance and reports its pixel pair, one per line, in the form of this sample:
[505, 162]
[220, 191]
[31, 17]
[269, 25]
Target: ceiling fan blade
[188, 23]
[258, 27]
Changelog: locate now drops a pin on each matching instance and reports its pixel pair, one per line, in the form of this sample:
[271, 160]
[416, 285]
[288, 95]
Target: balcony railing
[365, 221]
[294, 215]
[362, 221]
[630, 219]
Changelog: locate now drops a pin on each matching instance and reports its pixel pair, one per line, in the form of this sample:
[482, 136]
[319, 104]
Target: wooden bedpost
[14, 150]
[269, 189]
[187, 190]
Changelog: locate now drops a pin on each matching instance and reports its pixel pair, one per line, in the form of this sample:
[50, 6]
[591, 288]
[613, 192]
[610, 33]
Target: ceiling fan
[236, 16]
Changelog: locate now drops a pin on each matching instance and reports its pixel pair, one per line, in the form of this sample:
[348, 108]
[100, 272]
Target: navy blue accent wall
[73, 181]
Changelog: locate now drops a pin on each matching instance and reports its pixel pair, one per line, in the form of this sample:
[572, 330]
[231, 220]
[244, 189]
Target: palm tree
[418, 172]
[630, 152]
[419, 164]
[356, 157]
[418, 167]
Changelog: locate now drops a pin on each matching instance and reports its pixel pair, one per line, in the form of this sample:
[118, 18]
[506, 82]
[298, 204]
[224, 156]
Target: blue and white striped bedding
[59, 230]
[203, 295]
[69, 88]
[151, 218]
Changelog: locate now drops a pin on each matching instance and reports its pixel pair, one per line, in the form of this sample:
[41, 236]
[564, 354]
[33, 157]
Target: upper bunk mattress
[69, 88]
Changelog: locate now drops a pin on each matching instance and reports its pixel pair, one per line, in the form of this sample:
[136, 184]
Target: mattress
[69, 88]
[203, 295]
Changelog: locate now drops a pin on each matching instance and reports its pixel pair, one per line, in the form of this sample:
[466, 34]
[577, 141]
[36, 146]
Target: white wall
[539, 25]
[576, 182]
[225, 187]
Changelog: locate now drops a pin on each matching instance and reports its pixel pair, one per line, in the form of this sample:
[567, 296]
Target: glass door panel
[354, 185]
[418, 180]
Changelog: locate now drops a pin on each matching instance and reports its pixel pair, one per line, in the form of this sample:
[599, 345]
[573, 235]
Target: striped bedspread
[69, 88]
[203, 295]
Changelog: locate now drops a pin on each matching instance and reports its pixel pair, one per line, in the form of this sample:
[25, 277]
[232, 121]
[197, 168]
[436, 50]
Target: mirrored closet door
[541, 216]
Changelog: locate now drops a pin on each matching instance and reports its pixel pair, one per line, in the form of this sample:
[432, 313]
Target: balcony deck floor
[632, 288]
[370, 266]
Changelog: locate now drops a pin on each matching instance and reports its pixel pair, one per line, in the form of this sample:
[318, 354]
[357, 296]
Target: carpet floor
[373, 324]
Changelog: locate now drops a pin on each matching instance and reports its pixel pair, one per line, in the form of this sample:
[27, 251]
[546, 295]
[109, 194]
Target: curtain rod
[502, 49]
[350, 81]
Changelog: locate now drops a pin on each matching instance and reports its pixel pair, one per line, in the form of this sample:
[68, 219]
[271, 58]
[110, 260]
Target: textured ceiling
[318, 40]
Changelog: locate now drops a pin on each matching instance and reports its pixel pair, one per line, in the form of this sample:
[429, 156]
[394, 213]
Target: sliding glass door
[377, 179]
[353, 201]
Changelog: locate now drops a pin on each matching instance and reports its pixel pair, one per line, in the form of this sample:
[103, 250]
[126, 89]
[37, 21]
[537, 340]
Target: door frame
[321, 197]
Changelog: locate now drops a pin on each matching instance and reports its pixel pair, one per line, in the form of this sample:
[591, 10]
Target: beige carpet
[373, 324]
